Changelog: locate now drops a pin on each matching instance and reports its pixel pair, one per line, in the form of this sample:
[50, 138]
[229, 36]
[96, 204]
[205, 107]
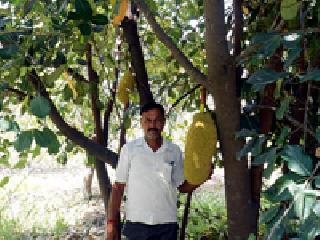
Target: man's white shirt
[151, 179]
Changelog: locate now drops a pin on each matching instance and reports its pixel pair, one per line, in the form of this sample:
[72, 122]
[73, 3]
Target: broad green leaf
[310, 228]
[4, 181]
[74, 16]
[284, 107]
[312, 76]
[283, 135]
[243, 133]
[40, 106]
[85, 29]
[269, 215]
[83, 8]
[100, 19]
[262, 77]
[270, 169]
[268, 42]
[292, 55]
[54, 145]
[289, 9]
[42, 138]
[23, 141]
[8, 52]
[257, 146]
[21, 164]
[267, 157]
[298, 161]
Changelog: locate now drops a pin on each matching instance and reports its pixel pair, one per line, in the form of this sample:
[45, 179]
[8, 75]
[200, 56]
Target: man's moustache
[153, 129]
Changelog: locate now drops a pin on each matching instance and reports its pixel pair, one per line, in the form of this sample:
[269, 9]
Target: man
[152, 169]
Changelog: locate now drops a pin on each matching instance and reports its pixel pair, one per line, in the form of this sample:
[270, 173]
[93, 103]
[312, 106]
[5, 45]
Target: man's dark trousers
[140, 231]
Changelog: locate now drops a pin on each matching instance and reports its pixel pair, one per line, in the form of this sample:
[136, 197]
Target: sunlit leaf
[4, 181]
[298, 161]
[289, 9]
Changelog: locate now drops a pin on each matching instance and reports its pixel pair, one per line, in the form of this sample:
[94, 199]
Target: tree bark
[102, 174]
[222, 84]
[132, 38]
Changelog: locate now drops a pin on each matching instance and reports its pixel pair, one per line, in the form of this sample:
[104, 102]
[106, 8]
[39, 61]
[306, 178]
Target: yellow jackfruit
[122, 12]
[126, 86]
[200, 146]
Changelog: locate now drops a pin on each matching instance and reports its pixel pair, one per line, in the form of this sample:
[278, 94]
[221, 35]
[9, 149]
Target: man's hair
[152, 105]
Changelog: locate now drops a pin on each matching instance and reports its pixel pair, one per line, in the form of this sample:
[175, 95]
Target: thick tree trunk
[222, 84]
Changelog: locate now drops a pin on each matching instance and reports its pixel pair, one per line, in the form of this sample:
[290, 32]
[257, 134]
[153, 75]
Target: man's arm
[114, 210]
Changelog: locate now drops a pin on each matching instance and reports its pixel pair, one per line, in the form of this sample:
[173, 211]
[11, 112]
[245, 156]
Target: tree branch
[102, 153]
[193, 72]
[17, 92]
[182, 97]
[77, 76]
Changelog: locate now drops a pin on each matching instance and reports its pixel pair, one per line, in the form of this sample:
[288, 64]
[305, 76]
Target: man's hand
[112, 231]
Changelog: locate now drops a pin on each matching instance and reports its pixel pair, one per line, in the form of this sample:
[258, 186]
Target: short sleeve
[122, 170]
[178, 169]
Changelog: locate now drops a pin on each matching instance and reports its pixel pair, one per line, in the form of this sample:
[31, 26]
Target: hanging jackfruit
[200, 146]
[126, 86]
[122, 12]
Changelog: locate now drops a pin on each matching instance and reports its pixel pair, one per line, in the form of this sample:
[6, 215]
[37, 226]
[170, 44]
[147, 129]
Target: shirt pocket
[166, 171]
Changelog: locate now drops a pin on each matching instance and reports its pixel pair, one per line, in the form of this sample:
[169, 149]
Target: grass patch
[207, 216]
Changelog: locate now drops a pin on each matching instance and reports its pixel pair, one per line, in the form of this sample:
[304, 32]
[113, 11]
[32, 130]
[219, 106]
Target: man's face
[152, 123]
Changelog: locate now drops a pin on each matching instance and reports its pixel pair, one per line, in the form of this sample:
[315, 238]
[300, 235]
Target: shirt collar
[142, 142]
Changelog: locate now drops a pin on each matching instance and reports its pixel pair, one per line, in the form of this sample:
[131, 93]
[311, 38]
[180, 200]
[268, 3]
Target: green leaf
[298, 161]
[85, 29]
[252, 237]
[243, 133]
[310, 228]
[269, 215]
[284, 107]
[21, 164]
[292, 55]
[263, 77]
[84, 9]
[312, 76]
[74, 16]
[4, 160]
[277, 90]
[36, 151]
[266, 157]
[54, 145]
[100, 19]
[23, 141]
[289, 9]
[40, 106]
[8, 52]
[268, 43]
[4, 181]
[283, 135]
[257, 146]
[42, 138]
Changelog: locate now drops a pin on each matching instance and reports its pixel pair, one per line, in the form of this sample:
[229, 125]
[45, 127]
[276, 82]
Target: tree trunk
[132, 38]
[222, 84]
[102, 175]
